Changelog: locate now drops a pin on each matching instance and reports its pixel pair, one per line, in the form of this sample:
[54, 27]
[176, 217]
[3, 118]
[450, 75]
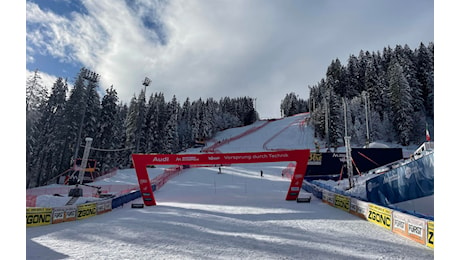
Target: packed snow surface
[238, 214]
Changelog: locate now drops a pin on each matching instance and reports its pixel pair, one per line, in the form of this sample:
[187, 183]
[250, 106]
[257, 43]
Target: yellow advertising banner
[430, 234]
[38, 216]
[86, 210]
[380, 216]
[342, 202]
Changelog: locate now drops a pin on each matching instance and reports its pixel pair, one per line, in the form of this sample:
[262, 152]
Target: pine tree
[336, 126]
[335, 78]
[106, 135]
[289, 105]
[401, 105]
[132, 123]
[197, 112]
[49, 140]
[92, 113]
[184, 126]
[425, 75]
[123, 158]
[171, 130]
[353, 80]
[208, 124]
[156, 121]
[36, 97]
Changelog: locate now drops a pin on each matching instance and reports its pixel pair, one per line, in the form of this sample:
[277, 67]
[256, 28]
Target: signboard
[141, 161]
[329, 197]
[380, 216]
[358, 208]
[410, 227]
[38, 216]
[342, 202]
[86, 210]
[430, 234]
[63, 214]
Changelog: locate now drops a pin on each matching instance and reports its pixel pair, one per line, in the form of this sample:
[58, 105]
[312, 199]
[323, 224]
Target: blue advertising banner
[411, 181]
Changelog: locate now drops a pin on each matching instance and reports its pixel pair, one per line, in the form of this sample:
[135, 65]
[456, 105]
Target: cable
[110, 150]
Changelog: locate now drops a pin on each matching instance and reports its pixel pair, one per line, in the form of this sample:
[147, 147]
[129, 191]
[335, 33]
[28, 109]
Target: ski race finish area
[141, 161]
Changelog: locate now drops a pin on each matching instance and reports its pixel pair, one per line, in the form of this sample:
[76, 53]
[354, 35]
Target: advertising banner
[329, 197]
[325, 165]
[141, 161]
[430, 234]
[64, 214]
[358, 208]
[380, 216]
[410, 227]
[86, 210]
[342, 202]
[104, 206]
[38, 216]
[411, 181]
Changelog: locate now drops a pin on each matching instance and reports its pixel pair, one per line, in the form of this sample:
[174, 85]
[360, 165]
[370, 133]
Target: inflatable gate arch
[141, 161]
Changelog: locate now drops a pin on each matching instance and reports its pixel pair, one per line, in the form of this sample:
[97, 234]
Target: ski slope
[238, 214]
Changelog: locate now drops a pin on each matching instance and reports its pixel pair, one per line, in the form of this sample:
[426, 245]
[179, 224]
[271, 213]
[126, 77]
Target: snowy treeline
[397, 86]
[58, 121]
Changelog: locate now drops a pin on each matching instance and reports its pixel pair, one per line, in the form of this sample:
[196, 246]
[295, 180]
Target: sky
[201, 49]
[201, 214]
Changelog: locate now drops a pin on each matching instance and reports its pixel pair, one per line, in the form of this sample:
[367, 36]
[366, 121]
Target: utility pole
[326, 122]
[367, 118]
[140, 115]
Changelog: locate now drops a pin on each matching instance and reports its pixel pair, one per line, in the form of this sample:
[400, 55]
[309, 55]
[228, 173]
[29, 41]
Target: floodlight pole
[139, 120]
[347, 147]
[84, 161]
[94, 78]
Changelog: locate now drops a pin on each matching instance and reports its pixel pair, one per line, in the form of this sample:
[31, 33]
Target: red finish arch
[141, 161]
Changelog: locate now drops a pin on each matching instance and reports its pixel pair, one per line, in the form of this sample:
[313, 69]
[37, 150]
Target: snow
[238, 214]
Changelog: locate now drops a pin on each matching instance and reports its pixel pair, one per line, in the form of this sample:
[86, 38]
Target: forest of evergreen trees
[58, 122]
[397, 86]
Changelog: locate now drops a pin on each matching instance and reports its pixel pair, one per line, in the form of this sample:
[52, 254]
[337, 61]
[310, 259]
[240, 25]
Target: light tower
[84, 161]
[91, 77]
[139, 120]
[347, 139]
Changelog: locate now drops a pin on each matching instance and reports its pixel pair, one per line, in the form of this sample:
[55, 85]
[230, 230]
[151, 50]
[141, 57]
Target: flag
[428, 138]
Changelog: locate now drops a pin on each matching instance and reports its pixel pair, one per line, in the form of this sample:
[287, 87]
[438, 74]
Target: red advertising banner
[141, 161]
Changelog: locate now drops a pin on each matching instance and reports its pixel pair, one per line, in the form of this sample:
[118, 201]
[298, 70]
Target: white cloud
[46, 81]
[262, 49]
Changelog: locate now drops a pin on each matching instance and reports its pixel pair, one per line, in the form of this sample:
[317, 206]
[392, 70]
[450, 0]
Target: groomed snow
[238, 214]
[235, 215]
